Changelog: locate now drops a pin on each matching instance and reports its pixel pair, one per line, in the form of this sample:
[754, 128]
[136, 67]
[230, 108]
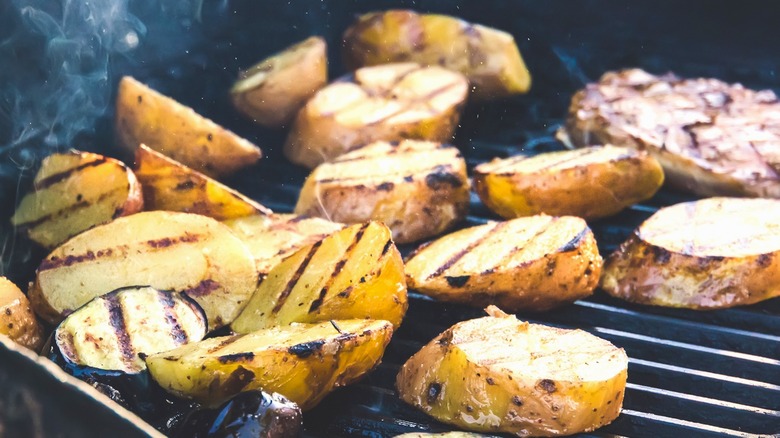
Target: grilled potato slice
[17, 320]
[146, 116]
[302, 362]
[708, 254]
[488, 57]
[386, 102]
[181, 252]
[272, 238]
[417, 188]
[533, 263]
[354, 273]
[272, 91]
[115, 331]
[498, 374]
[170, 185]
[590, 183]
[74, 191]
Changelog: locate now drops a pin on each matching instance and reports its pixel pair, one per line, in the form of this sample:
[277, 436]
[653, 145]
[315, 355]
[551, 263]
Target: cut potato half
[146, 116]
[533, 263]
[272, 91]
[181, 252]
[708, 254]
[172, 186]
[73, 192]
[17, 320]
[302, 362]
[590, 183]
[497, 374]
[386, 102]
[353, 273]
[418, 188]
[488, 57]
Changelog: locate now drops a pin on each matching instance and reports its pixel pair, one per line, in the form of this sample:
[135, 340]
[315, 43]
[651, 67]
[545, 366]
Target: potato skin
[590, 191]
[17, 320]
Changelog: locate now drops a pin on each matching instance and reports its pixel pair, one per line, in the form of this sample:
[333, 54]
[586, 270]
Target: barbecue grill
[713, 373]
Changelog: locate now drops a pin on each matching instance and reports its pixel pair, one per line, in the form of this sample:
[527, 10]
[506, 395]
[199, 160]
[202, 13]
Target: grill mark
[459, 255]
[298, 272]
[70, 208]
[205, 287]
[168, 241]
[572, 244]
[386, 176]
[57, 177]
[116, 318]
[67, 346]
[386, 248]
[411, 102]
[236, 357]
[178, 334]
[56, 262]
[225, 342]
[338, 267]
[581, 153]
[511, 161]
[520, 249]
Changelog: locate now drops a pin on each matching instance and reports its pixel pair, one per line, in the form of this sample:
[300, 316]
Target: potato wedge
[498, 374]
[418, 188]
[17, 320]
[708, 254]
[272, 238]
[73, 192]
[386, 102]
[353, 273]
[146, 116]
[172, 186]
[488, 57]
[533, 263]
[181, 252]
[590, 183]
[272, 91]
[302, 362]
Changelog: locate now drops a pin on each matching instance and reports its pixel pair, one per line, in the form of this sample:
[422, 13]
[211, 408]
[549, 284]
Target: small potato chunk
[387, 102]
[272, 238]
[353, 273]
[417, 188]
[533, 263]
[17, 320]
[590, 183]
[73, 192]
[303, 362]
[181, 252]
[488, 57]
[272, 91]
[146, 116]
[708, 254]
[172, 186]
[498, 374]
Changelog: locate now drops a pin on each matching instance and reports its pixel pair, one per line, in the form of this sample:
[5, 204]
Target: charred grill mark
[385, 186]
[70, 208]
[574, 157]
[520, 249]
[459, 255]
[457, 281]
[225, 342]
[116, 318]
[298, 272]
[237, 380]
[443, 177]
[306, 349]
[57, 177]
[168, 241]
[574, 243]
[56, 262]
[236, 357]
[338, 267]
[508, 162]
[386, 248]
[205, 287]
[178, 334]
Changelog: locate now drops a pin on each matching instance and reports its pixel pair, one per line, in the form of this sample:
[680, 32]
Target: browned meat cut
[712, 138]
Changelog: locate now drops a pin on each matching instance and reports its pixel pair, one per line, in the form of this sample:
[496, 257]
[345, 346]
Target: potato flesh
[73, 192]
[419, 189]
[302, 362]
[354, 273]
[590, 183]
[497, 374]
[17, 320]
[169, 251]
[172, 186]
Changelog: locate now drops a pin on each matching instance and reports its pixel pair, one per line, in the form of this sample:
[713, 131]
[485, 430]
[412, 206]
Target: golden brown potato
[172, 186]
[303, 362]
[272, 238]
[533, 263]
[488, 57]
[272, 91]
[146, 116]
[353, 273]
[498, 374]
[590, 183]
[417, 188]
[17, 320]
[708, 254]
[182, 252]
[388, 102]
[73, 192]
